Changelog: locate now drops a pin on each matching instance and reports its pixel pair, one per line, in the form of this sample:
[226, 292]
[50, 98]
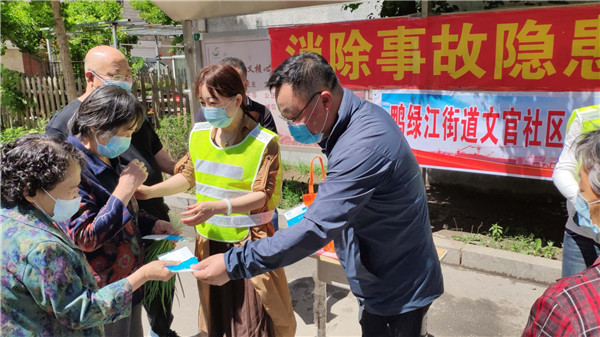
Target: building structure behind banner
[224, 35]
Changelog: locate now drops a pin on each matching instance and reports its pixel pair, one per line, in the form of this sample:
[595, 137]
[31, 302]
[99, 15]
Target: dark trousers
[408, 324]
[160, 321]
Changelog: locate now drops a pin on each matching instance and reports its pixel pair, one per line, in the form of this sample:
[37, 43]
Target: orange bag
[309, 197]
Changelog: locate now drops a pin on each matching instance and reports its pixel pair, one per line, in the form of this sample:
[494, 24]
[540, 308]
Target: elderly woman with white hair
[571, 307]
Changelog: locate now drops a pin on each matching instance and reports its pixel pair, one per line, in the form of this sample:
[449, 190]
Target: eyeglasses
[301, 111]
[119, 78]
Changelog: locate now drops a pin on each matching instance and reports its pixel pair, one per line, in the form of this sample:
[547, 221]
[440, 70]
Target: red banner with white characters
[538, 49]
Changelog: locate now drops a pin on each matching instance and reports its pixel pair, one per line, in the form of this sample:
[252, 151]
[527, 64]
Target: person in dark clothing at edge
[259, 112]
[372, 205]
[105, 65]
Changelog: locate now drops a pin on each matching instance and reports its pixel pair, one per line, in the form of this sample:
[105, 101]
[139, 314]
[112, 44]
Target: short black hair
[236, 63]
[106, 109]
[32, 162]
[307, 73]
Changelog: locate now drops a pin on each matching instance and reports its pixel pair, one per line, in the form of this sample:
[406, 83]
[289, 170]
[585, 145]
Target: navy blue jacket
[373, 205]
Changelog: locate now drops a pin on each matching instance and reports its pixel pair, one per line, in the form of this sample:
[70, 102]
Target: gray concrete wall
[296, 16]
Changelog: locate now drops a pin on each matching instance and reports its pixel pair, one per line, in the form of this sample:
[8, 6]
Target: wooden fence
[161, 95]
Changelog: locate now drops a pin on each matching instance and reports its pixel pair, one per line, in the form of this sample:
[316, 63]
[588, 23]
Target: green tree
[89, 36]
[154, 15]
[63, 48]
[20, 23]
[151, 13]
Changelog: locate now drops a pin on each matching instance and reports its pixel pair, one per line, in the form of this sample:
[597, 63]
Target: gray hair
[588, 150]
[107, 109]
[307, 73]
[236, 63]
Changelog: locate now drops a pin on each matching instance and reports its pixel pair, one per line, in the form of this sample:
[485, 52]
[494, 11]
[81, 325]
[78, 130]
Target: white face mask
[63, 209]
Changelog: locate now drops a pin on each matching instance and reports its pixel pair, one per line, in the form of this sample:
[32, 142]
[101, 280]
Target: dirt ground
[472, 211]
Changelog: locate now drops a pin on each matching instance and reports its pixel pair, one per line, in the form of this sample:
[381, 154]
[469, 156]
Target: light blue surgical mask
[582, 207]
[123, 84]
[217, 116]
[63, 209]
[302, 134]
[115, 147]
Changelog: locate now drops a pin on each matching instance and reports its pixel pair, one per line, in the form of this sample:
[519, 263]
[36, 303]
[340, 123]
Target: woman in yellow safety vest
[233, 164]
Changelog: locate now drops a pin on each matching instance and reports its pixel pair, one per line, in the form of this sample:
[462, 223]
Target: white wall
[13, 60]
[295, 16]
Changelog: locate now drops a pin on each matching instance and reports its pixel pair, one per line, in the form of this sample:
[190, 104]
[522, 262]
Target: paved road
[474, 304]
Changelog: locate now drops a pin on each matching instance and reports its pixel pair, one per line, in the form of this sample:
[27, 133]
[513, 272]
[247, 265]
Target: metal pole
[50, 57]
[157, 54]
[114, 35]
[173, 67]
[190, 53]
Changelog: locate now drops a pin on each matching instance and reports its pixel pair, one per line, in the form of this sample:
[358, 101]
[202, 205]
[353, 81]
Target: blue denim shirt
[373, 205]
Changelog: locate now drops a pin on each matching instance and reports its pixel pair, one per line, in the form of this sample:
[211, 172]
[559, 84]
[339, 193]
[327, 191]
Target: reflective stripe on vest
[227, 173]
[589, 116]
[242, 220]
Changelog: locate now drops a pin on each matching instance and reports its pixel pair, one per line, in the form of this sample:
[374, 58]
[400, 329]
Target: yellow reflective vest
[228, 173]
[590, 118]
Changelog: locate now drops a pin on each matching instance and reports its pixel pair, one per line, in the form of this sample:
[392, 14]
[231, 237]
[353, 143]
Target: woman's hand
[143, 192]
[153, 271]
[157, 271]
[203, 211]
[162, 227]
[133, 175]
[131, 178]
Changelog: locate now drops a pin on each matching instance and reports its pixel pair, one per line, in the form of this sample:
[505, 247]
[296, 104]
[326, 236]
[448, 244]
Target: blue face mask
[123, 84]
[63, 209]
[115, 147]
[302, 134]
[583, 214]
[217, 116]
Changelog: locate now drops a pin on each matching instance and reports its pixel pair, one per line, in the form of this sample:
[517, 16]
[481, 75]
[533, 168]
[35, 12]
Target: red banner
[540, 49]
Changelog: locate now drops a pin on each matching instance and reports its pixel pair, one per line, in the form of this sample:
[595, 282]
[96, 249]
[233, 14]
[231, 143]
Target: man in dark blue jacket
[373, 204]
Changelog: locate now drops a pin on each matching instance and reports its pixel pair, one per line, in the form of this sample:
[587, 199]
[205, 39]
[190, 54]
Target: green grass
[291, 194]
[519, 243]
[303, 168]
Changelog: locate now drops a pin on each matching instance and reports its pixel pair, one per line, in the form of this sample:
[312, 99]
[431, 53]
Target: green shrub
[11, 96]
[10, 134]
[174, 133]
[291, 194]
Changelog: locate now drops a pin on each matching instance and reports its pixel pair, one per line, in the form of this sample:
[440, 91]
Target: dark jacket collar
[350, 103]
[93, 162]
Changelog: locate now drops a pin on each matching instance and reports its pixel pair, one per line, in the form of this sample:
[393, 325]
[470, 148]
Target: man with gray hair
[373, 204]
[571, 306]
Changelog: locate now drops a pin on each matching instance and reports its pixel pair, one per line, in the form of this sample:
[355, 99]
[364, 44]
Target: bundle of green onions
[164, 290]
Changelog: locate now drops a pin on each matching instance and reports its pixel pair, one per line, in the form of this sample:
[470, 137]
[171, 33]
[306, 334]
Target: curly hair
[33, 162]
